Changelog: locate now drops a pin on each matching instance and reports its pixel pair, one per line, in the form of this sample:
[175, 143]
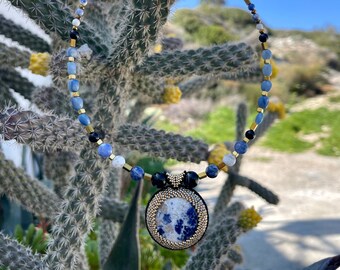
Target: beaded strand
[137, 173]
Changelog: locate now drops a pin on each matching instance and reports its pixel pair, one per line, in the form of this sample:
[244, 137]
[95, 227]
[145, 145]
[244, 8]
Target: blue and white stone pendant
[176, 216]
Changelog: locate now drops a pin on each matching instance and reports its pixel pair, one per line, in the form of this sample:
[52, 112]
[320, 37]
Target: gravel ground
[305, 226]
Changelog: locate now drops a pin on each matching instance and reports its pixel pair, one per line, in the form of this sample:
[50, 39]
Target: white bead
[118, 162]
[229, 160]
[75, 22]
[259, 26]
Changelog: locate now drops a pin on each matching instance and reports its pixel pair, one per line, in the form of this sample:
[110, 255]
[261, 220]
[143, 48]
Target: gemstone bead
[72, 52]
[83, 2]
[241, 147]
[259, 26]
[94, 137]
[229, 160]
[71, 68]
[266, 85]
[250, 134]
[118, 162]
[84, 119]
[256, 17]
[137, 173]
[263, 37]
[76, 22]
[105, 150]
[74, 34]
[212, 171]
[266, 54]
[73, 85]
[190, 179]
[77, 103]
[158, 180]
[267, 70]
[263, 102]
[251, 6]
[79, 12]
[259, 118]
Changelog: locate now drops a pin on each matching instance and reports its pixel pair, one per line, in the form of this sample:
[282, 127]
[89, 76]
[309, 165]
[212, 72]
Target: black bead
[263, 37]
[190, 179]
[250, 134]
[74, 34]
[94, 137]
[159, 180]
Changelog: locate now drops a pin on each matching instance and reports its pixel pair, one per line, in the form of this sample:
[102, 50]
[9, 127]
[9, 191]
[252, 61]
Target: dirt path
[305, 226]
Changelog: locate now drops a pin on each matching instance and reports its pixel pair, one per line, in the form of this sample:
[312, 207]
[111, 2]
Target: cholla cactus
[119, 70]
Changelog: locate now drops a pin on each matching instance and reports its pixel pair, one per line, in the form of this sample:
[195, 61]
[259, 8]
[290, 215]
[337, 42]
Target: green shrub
[212, 34]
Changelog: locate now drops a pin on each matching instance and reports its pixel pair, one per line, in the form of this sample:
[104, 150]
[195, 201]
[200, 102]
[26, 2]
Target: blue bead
[190, 179]
[251, 6]
[79, 12]
[212, 171]
[84, 119]
[71, 68]
[137, 173]
[263, 102]
[73, 85]
[256, 17]
[71, 52]
[241, 147]
[259, 118]
[159, 180]
[266, 54]
[77, 103]
[266, 85]
[105, 150]
[83, 2]
[267, 70]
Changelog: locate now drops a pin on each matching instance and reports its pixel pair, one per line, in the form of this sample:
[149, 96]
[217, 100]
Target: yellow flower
[39, 63]
[278, 107]
[172, 94]
[275, 69]
[158, 48]
[249, 219]
[216, 155]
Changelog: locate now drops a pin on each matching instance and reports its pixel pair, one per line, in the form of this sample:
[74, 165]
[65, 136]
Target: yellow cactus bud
[216, 155]
[275, 69]
[278, 107]
[39, 63]
[158, 48]
[172, 94]
[249, 219]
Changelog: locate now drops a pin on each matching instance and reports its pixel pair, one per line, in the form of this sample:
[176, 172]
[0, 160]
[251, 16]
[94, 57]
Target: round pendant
[176, 218]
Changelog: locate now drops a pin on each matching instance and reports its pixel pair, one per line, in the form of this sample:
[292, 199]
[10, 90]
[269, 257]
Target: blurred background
[299, 158]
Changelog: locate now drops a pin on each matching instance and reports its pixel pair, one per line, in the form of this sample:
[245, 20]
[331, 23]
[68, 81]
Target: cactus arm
[212, 61]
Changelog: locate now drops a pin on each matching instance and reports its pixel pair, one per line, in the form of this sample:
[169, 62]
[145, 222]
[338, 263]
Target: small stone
[105, 150]
[212, 171]
[267, 70]
[94, 137]
[250, 134]
[266, 85]
[137, 173]
[84, 119]
[76, 22]
[79, 12]
[71, 68]
[263, 102]
[241, 147]
[72, 52]
[266, 54]
[158, 180]
[77, 103]
[229, 160]
[73, 85]
[263, 37]
[74, 34]
[259, 118]
[118, 162]
[190, 179]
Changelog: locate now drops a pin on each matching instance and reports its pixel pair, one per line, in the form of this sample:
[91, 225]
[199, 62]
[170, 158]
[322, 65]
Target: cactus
[120, 78]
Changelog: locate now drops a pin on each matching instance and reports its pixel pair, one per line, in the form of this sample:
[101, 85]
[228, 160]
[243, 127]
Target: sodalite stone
[176, 220]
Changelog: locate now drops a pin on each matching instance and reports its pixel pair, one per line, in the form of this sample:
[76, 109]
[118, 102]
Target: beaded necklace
[176, 216]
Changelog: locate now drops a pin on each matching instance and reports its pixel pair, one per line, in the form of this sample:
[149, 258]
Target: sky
[289, 14]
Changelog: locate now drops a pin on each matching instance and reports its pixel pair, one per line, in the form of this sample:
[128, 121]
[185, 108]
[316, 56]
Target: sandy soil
[305, 226]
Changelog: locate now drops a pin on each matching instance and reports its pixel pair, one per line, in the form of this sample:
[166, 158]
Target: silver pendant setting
[176, 216]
